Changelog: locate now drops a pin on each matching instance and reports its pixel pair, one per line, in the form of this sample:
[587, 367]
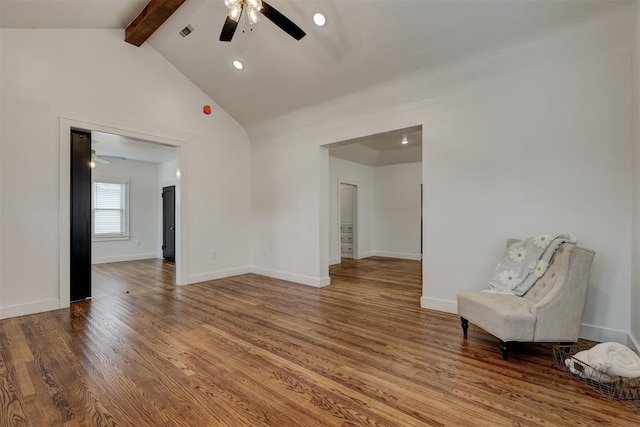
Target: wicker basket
[612, 387]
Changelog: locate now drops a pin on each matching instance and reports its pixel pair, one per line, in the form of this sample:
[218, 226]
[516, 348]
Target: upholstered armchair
[551, 311]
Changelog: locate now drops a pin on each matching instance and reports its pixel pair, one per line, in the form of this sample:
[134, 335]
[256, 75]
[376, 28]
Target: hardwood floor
[251, 350]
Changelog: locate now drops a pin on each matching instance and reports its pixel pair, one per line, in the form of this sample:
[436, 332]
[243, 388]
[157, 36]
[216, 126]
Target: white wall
[286, 223]
[144, 215]
[363, 177]
[397, 210]
[94, 76]
[347, 203]
[545, 150]
[532, 138]
[167, 174]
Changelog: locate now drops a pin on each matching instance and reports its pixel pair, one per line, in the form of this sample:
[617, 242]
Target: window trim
[114, 236]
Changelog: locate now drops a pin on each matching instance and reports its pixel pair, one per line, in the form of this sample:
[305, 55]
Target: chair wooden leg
[465, 325]
[505, 346]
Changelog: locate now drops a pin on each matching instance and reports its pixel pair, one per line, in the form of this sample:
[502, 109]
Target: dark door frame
[169, 223]
[64, 254]
[81, 216]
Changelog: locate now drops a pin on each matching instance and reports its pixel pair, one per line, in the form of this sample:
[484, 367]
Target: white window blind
[110, 207]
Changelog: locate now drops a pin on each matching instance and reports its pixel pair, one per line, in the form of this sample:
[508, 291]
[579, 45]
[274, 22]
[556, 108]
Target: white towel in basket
[615, 360]
[579, 364]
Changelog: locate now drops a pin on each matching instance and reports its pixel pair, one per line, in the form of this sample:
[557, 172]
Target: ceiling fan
[98, 158]
[253, 10]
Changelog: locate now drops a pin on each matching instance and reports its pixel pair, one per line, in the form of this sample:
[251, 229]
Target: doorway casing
[65, 198]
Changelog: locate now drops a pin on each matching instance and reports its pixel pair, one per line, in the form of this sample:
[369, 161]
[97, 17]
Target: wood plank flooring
[254, 351]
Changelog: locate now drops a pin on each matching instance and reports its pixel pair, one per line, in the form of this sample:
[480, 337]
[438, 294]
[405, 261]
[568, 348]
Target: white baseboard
[29, 308]
[120, 258]
[334, 261]
[633, 343]
[363, 255]
[290, 277]
[303, 280]
[398, 255]
[587, 332]
[215, 275]
[439, 304]
[601, 334]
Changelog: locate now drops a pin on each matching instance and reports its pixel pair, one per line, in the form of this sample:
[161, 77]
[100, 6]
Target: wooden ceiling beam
[154, 14]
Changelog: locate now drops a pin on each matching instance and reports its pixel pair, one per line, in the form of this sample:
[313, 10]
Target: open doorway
[383, 173]
[132, 199]
[124, 232]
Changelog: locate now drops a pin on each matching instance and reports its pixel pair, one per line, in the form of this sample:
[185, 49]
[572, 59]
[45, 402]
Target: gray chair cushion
[505, 316]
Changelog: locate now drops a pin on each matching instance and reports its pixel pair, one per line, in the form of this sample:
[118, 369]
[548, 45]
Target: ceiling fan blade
[229, 29]
[109, 159]
[103, 161]
[282, 21]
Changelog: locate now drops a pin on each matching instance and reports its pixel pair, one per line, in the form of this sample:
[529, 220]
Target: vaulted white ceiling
[364, 43]
[69, 13]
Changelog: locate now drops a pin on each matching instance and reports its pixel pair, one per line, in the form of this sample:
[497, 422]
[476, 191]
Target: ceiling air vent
[187, 30]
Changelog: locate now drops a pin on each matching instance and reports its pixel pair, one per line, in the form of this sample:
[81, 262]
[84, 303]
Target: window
[109, 208]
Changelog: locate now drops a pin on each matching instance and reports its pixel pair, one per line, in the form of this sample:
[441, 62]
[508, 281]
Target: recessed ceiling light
[319, 19]
[239, 65]
[404, 141]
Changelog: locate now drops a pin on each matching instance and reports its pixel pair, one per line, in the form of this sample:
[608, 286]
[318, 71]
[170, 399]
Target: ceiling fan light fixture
[232, 3]
[253, 15]
[255, 8]
[255, 4]
[319, 19]
[235, 12]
